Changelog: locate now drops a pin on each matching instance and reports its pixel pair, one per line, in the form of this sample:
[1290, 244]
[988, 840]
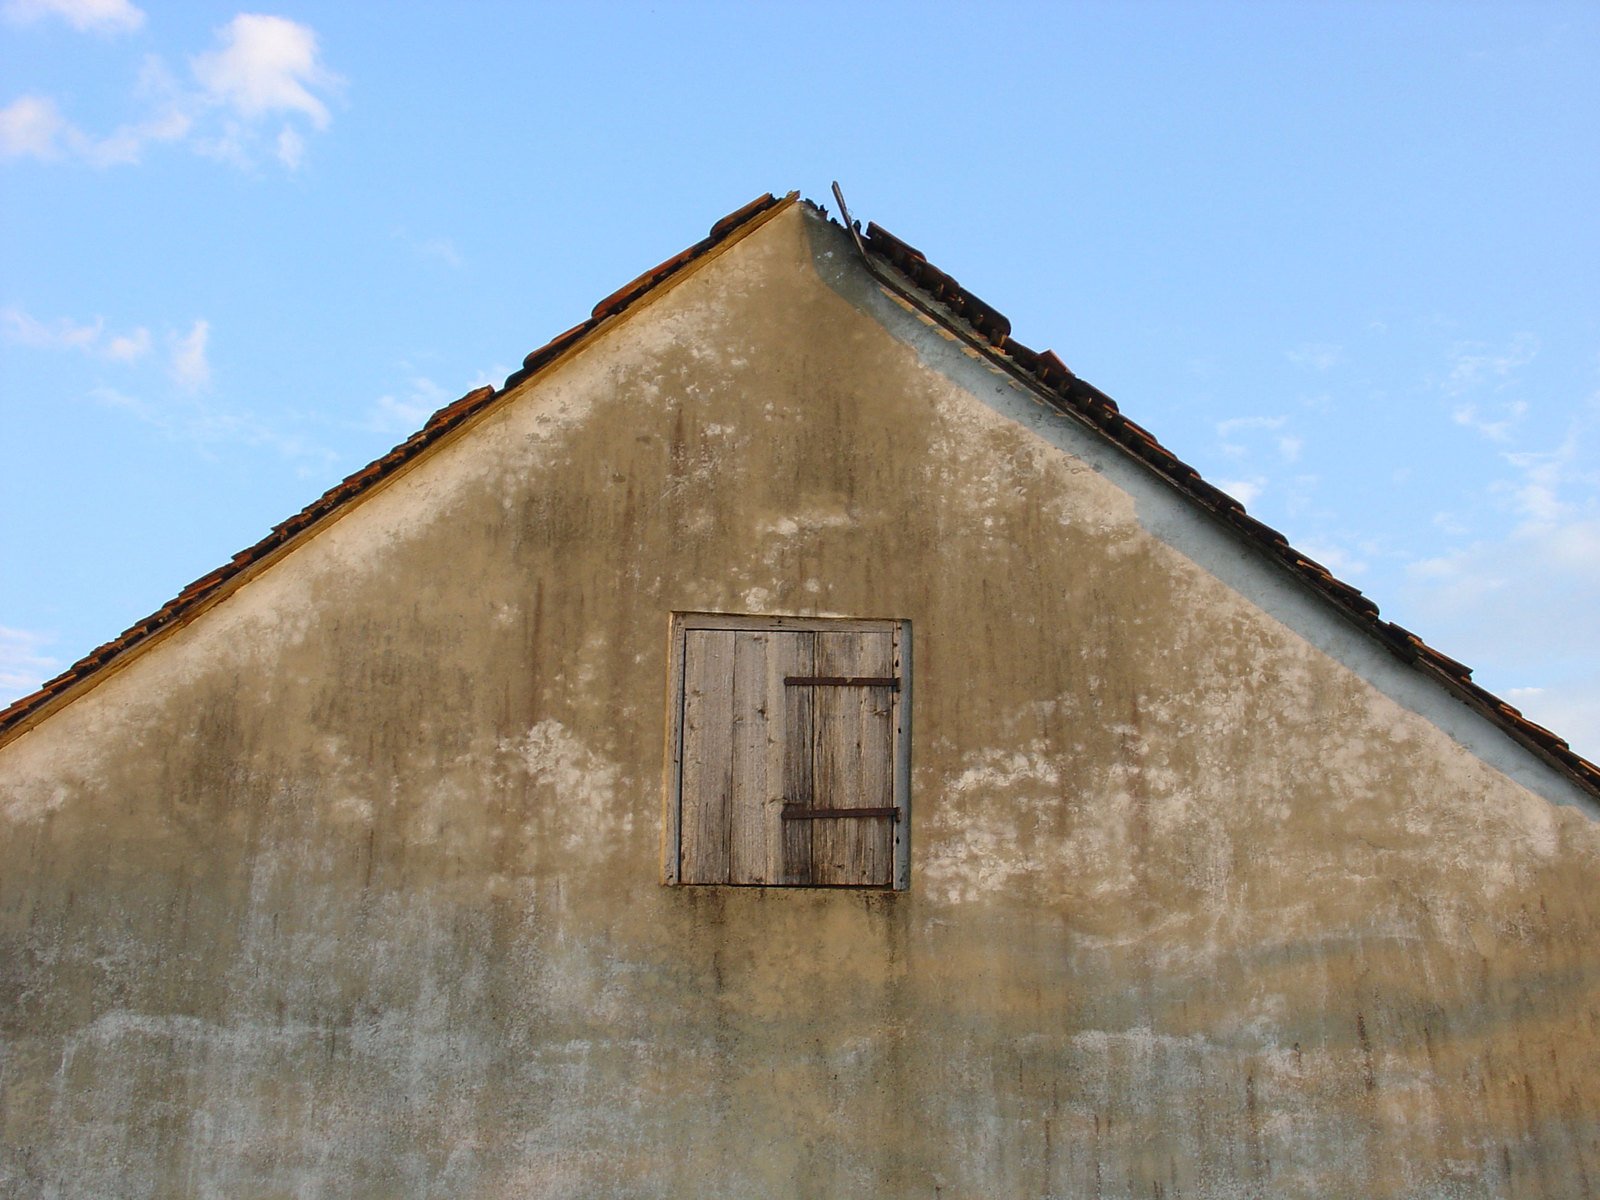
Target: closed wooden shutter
[786, 757]
[840, 785]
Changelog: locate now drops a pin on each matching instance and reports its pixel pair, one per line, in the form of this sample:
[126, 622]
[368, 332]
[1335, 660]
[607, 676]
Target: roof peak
[905, 270]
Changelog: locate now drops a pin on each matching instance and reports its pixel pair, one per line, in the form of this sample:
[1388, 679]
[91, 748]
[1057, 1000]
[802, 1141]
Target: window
[788, 752]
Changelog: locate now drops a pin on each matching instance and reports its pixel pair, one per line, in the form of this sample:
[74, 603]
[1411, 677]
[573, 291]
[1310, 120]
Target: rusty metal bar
[798, 812]
[841, 681]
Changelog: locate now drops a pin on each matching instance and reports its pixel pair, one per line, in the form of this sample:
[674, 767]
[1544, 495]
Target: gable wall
[351, 887]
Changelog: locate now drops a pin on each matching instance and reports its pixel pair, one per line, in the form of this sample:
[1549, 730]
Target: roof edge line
[442, 429]
[1043, 375]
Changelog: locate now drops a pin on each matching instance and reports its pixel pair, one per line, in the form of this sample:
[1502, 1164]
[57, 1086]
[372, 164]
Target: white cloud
[22, 665]
[112, 398]
[291, 148]
[1234, 424]
[86, 16]
[1538, 494]
[205, 425]
[1496, 430]
[1315, 356]
[1245, 491]
[65, 334]
[442, 249]
[230, 144]
[1341, 562]
[31, 127]
[22, 329]
[266, 74]
[1473, 365]
[190, 367]
[1288, 445]
[1521, 609]
[125, 145]
[1521, 605]
[493, 377]
[266, 66]
[1571, 709]
[129, 347]
[267, 70]
[406, 414]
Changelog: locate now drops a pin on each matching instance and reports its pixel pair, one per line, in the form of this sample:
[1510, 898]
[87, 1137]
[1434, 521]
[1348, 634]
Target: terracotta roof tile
[1056, 383]
[1044, 371]
[23, 712]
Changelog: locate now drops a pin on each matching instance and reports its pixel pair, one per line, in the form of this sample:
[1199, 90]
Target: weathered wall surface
[351, 887]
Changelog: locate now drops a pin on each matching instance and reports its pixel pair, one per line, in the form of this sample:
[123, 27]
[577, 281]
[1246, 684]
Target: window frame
[681, 624]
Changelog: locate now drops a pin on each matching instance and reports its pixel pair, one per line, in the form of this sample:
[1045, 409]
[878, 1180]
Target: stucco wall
[351, 887]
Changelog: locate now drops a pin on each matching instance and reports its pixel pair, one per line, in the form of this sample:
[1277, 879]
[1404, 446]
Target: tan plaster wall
[351, 887]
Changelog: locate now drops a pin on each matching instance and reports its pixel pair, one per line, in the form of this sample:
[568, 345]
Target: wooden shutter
[840, 785]
[734, 756]
[786, 757]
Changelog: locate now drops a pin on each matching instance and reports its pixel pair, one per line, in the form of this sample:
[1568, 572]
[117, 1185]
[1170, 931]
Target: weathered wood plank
[853, 757]
[707, 772]
[756, 838]
[901, 632]
[798, 657]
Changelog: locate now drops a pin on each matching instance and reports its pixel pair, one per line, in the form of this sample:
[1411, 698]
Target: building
[790, 740]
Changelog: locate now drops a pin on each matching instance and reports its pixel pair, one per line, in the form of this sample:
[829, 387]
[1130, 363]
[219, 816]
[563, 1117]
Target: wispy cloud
[441, 249]
[1245, 491]
[207, 424]
[1335, 557]
[438, 249]
[1524, 597]
[1234, 425]
[243, 104]
[1571, 708]
[129, 347]
[20, 328]
[406, 414]
[191, 369]
[1235, 431]
[33, 127]
[1315, 356]
[493, 376]
[63, 334]
[1474, 365]
[1542, 491]
[291, 149]
[1497, 427]
[86, 16]
[23, 665]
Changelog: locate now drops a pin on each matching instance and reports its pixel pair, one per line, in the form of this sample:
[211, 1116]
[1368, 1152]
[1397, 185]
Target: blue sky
[1342, 258]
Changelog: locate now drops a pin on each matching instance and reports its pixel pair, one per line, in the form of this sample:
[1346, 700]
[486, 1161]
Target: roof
[906, 271]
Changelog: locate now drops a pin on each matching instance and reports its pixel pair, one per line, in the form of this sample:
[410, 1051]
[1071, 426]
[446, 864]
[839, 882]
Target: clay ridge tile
[1056, 382]
[191, 598]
